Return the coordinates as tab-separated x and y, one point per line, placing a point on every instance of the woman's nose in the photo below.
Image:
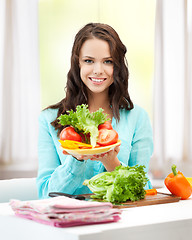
98	68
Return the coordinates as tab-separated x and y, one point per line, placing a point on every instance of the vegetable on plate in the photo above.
74	144
105	125
120	185
86	127
69	133
177	184
107	137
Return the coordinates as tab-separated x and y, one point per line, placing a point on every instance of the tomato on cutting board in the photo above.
105	125
69	133
107	137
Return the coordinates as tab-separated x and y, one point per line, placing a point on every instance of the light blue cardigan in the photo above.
63	173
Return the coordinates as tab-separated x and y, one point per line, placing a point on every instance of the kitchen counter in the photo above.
162	221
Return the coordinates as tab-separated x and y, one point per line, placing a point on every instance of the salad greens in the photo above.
120	185
84	121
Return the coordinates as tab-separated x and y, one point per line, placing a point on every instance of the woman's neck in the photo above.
96	101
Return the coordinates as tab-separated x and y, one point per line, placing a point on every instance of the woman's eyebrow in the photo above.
88	57
107	58
94	58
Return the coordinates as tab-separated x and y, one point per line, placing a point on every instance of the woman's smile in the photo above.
97	81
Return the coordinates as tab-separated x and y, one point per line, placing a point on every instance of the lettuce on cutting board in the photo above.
120	185
85	122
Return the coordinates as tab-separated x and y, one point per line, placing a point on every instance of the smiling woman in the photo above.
96	91
60	20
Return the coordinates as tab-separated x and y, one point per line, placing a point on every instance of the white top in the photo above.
162	221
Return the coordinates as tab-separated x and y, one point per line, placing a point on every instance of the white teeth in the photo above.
97	80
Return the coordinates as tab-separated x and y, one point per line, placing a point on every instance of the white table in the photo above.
155	222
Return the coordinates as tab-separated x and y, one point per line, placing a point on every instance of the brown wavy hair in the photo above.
76	93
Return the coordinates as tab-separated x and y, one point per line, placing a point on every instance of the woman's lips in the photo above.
97	80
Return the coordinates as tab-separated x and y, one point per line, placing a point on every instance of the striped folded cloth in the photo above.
66	212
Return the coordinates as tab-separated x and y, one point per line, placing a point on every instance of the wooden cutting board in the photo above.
159	198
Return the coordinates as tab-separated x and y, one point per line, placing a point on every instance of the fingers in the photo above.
117	149
81	157
98	157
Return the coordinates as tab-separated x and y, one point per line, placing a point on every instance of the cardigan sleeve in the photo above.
52	174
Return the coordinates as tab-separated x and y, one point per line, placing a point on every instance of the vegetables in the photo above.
84	122
107	137
74	144
120	185
69	133
105	125
151	191
177	184
189	179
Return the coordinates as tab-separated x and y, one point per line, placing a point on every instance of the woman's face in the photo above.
96	65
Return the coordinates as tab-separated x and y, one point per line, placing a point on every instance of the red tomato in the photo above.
69	133
107	137
105	125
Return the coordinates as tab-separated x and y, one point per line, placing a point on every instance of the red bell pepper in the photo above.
177	184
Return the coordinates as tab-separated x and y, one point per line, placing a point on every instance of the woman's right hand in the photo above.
109	159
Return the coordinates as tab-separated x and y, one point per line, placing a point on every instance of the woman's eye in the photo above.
88	61
108	62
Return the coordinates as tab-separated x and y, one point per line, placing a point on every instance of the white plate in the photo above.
91	151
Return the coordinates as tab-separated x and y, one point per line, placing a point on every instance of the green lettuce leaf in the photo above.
120	185
84	121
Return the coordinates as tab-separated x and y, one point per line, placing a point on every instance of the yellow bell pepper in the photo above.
189	179
70	144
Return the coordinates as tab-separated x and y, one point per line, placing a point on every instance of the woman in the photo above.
98	77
